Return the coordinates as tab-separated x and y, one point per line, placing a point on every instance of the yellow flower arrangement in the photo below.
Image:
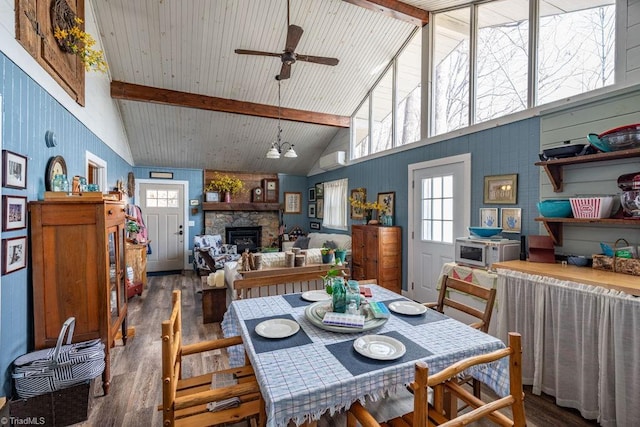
225	183
74	40
358	203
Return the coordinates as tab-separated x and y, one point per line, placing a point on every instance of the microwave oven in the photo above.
483	253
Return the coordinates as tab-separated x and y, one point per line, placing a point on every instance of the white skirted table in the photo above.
581	343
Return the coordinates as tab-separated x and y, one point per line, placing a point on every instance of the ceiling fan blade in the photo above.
285	72
256	52
317	59
293	37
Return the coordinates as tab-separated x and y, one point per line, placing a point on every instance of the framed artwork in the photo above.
319	208
359	194
285	237
314	225
312	210
14	213
292	203
312	194
212	196
14	168
511	220
160	175
14	254
320	191
501	189
388	202
489	217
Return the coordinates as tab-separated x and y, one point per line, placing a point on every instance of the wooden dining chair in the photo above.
425	414
483	295
193	401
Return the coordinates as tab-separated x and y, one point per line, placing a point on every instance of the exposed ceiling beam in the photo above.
395	9
134	92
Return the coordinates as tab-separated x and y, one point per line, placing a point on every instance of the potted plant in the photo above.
335	286
341	255
327	254
224	183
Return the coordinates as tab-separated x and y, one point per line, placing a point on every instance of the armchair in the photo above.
210	254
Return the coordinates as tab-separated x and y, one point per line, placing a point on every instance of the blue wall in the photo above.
507	149
29	111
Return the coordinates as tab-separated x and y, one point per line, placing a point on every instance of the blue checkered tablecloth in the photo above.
303	382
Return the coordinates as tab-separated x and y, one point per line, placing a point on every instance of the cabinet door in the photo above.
371	253
117	292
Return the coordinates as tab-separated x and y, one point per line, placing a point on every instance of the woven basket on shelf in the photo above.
617	264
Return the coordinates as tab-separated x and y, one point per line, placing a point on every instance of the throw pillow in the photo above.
330	244
301	242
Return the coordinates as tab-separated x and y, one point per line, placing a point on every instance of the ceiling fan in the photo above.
289	56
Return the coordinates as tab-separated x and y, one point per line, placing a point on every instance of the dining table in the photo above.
317	370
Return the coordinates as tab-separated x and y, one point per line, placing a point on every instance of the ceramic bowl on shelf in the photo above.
579	260
485	231
555	208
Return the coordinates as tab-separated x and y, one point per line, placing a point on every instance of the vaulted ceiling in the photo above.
163	53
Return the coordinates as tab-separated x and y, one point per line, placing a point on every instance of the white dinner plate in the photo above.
379	347
410	308
318	295
277	328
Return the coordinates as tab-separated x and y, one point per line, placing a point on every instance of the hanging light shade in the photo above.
277	147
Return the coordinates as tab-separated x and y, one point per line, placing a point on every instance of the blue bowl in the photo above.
555	208
485	231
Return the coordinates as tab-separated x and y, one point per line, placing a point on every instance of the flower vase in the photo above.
339	295
227	196
367	216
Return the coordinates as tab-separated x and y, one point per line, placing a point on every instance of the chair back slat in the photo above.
477	291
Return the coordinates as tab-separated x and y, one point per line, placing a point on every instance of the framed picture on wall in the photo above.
14	170
292	203
312	194
388	203
320	190
314	225
501	189
489	217
511	220
14	213
14	254
312	210
319	208
358	198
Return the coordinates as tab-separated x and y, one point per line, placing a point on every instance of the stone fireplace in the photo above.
217	222
244	238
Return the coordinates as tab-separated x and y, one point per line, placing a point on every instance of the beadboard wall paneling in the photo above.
588	179
511	148
29	111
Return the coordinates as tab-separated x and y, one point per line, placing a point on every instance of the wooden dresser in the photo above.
376	253
77	250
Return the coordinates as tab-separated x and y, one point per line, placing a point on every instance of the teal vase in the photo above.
339	295
340	255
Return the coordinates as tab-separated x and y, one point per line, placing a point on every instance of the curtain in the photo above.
581	343
335	204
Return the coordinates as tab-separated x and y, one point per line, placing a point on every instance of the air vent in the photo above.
332	161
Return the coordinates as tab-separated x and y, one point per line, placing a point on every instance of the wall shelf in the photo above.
554	170
222	206
554	225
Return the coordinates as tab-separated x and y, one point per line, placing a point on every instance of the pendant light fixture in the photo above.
277	147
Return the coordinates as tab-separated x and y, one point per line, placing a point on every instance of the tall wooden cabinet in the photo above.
77	250
376	253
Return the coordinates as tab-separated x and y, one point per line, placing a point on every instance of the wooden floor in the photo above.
136	368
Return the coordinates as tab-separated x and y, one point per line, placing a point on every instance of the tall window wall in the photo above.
488	73
489	60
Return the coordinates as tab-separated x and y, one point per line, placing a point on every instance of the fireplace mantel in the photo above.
222	206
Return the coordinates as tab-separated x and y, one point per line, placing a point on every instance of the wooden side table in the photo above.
214	302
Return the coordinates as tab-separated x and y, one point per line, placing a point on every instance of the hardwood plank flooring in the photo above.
136	368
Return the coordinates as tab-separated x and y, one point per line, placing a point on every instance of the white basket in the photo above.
592	207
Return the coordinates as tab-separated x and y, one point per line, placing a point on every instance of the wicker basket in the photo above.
59	408
616	264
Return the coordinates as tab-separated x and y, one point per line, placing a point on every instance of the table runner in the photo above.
301	383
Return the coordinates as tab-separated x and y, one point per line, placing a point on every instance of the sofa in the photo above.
310	243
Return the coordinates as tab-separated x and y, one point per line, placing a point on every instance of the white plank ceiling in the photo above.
188	46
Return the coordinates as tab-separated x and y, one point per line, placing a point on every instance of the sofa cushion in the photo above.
301	242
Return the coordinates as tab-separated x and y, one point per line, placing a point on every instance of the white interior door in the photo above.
439	208
162	207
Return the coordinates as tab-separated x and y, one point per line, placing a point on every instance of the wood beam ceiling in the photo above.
395	9
134	92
